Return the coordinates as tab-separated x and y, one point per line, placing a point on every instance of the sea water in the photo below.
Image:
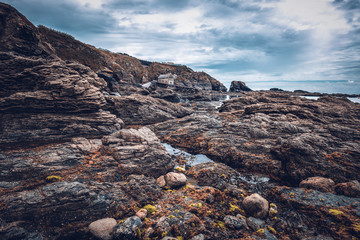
321	86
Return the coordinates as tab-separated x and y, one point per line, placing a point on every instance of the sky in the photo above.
255	41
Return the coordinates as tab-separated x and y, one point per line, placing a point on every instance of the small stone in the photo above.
234	222
168	238
198	237
142	213
256	205
161	181
255	223
175	179
127	229
318	183
103	228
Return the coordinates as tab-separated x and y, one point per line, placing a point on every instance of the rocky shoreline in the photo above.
82	152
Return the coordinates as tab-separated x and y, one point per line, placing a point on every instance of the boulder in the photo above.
255	223
138	151
103	228
175	179
127	229
234	222
238	86
256	205
318	183
161	181
350	189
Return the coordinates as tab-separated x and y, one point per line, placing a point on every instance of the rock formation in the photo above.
238	86
76	161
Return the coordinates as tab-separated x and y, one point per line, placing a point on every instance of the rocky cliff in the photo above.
121	68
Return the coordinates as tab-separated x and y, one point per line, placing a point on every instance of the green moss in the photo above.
336	212
53	178
150	209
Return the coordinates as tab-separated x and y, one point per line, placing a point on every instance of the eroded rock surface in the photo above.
288	138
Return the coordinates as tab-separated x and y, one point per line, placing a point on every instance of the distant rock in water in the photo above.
276	89
239	86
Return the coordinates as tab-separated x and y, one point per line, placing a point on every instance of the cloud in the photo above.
231	39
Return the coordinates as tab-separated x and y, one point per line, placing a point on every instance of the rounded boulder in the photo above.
103	228
318	183
256	205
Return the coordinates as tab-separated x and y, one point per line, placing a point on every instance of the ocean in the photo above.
321	86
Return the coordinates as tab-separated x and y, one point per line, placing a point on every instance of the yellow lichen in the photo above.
220	224
53	178
356	227
271	229
272	212
272	205
179	238
171	216
292	194
261	231
150	208
164	234
180	169
335	212
234	208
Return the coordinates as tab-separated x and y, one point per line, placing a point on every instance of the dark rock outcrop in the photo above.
238	86
143	110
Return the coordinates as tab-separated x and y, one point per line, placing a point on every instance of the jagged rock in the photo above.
141	188
174	180
350	189
135	151
103	228
256	205
238	86
18	230
127	229
143	110
141	213
46	100
234	222
318	183
255	223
